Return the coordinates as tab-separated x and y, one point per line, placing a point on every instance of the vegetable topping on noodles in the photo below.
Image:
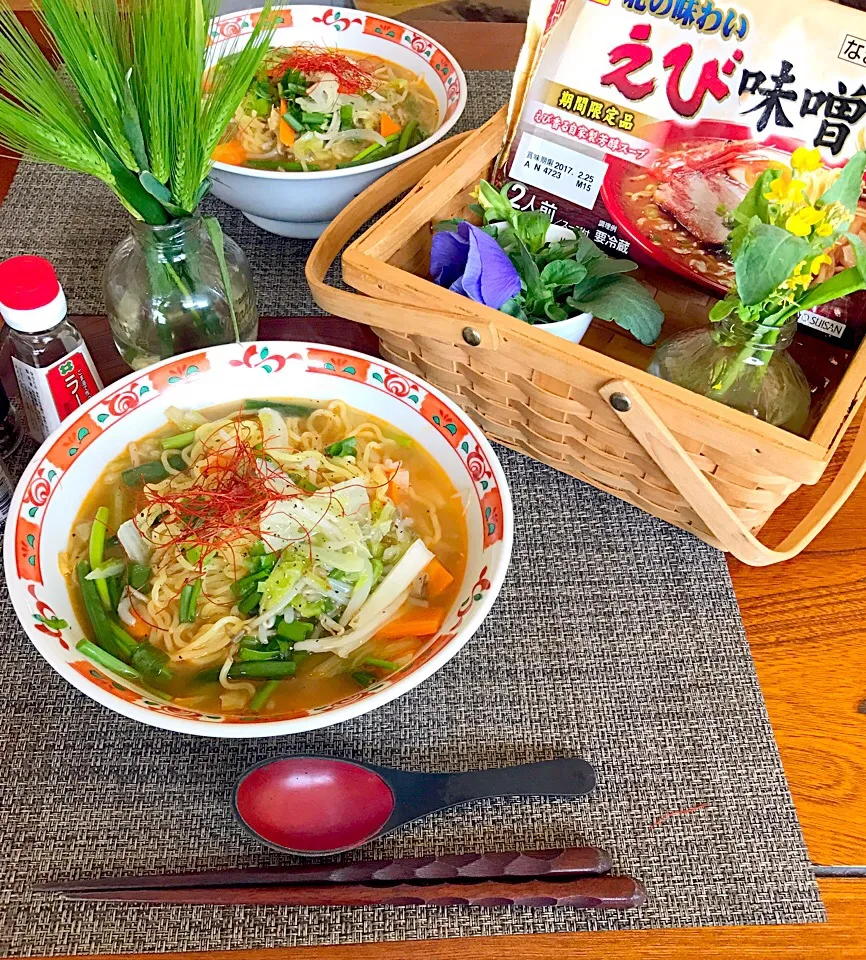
313	108
257	540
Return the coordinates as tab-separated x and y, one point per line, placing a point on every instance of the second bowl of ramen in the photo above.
258	539
342	97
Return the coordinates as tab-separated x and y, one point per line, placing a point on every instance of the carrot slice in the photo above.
387	126
287	134
230	152
438	578
140	629
414	622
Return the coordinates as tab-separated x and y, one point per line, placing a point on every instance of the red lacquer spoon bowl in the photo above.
316	806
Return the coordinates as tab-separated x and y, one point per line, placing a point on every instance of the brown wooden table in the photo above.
806	624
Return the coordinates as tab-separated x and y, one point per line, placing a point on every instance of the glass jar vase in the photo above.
164	292
746	366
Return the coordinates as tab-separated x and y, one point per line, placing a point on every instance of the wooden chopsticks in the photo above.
570	876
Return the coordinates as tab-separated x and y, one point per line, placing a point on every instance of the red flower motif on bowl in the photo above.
255	357
477	465
123	402
39	490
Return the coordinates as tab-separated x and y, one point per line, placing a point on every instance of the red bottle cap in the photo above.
31	299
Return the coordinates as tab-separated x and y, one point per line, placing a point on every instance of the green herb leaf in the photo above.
496	205
532	229
766	259
563	273
754	203
514	307
343	448
840	285
847	189
723	308
628	304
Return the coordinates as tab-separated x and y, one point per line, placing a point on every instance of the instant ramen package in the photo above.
645	122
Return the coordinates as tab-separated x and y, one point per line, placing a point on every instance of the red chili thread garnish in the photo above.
225	502
311	60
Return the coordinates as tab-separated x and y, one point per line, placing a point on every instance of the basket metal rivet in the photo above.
620	402
471	336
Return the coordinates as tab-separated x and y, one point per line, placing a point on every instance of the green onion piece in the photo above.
347	116
102	632
210	675
295	630
263	694
314	119
152	662
242	587
406	136
124	641
363	679
250	602
258	549
371	156
293	122
248	654
366	152
193	555
138	575
383	664
188	601
281	166
151	472
104	659
96	551
179	441
287	409
261	107
115	590
266	669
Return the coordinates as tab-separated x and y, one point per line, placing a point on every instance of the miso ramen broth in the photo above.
265	560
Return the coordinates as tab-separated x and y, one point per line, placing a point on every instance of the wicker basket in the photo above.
589	410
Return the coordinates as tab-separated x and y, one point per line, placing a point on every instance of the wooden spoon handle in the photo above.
603	893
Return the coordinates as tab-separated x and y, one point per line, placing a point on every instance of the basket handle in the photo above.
650	432
399	317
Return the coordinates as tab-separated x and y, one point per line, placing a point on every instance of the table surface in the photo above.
804	621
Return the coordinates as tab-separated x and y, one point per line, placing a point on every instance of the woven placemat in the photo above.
616	638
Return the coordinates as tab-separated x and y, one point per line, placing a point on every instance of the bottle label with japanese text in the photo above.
50	394
671	109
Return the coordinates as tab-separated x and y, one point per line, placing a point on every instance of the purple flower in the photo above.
472	263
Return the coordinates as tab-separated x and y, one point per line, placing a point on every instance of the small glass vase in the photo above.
746	366
165	294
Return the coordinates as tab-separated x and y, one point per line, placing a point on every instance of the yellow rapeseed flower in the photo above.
818	262
823	230
804	159
785	190
800	222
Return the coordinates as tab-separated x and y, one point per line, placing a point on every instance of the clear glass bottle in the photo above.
52	364
165	294
747	367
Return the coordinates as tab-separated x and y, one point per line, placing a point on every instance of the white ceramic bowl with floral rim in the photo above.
56	482
303	204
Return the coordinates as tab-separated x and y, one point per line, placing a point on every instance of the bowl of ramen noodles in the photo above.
258	539
342	97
